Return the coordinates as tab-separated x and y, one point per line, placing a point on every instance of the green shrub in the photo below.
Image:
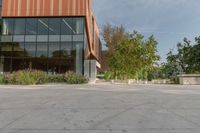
68	78
56	78
73	78
40	77
1	79
25	77
33	77
107	75
175	80
8	79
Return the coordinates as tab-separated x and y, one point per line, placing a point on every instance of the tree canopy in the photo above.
129	55
185	61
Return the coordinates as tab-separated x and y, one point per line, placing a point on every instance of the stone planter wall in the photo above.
130	81
189	79
162	81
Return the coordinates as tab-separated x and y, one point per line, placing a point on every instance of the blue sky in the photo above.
168	20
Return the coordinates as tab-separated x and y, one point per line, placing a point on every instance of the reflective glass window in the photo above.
8	26
78	38
30	49
67	26
55	45
6	38
78	47
19	26
65	49
54	38
42	50
43	26
54	26
42	38
29	63
18	50
66	64
53	66
54	50
31	26
17	64
30	38
7	64
18	38
66	38
78	25
6	49
41	64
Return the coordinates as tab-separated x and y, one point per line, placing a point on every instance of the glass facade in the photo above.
54	45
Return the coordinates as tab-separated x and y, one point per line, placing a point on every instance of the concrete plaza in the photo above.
100	108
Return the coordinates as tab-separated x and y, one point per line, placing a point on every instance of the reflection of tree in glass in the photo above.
43	56
6	49
1	28
56	54
18	50
74	54
64	53
61	53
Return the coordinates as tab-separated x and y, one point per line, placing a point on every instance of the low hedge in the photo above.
56	78
26	77
73	78
68	77
1	79
34	77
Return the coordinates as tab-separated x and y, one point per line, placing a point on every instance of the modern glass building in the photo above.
55	36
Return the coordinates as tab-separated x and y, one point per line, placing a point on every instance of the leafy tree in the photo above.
133	57
187	59
113	35
150	55
183	55
194	59
156	73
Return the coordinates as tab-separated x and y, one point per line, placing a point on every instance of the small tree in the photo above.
113	35
187	60
133	56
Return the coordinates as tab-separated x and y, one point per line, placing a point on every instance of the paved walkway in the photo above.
101	108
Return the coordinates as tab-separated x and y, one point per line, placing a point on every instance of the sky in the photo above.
168	20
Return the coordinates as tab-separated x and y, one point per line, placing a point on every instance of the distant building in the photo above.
50	35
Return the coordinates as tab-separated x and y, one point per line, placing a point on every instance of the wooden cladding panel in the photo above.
32	8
